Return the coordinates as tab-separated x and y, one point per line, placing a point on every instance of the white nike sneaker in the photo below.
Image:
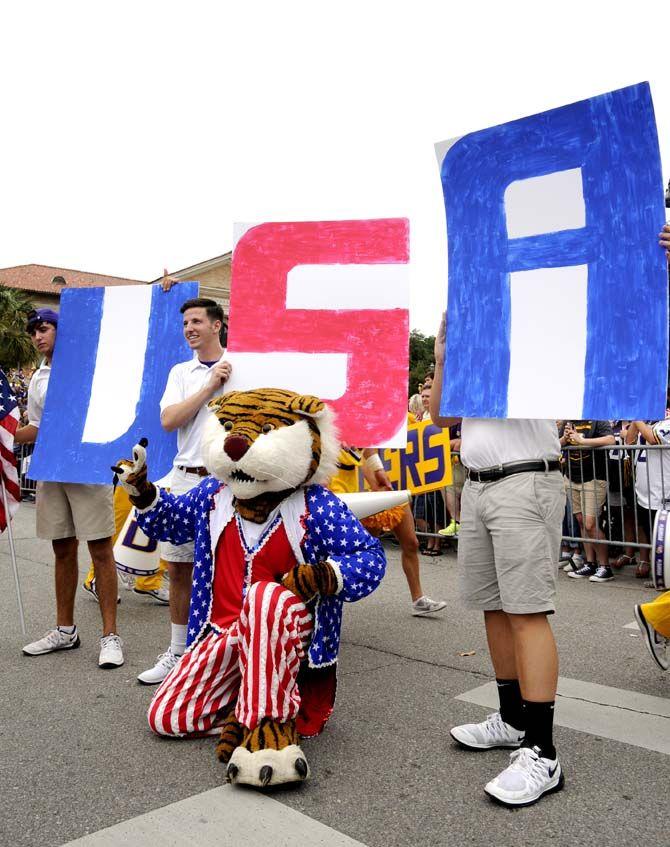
111	651
528	777
487	735
425	606
54	640
164	664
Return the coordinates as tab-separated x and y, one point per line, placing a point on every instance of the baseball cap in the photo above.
38	316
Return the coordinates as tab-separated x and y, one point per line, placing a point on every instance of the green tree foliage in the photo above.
16	349
421	358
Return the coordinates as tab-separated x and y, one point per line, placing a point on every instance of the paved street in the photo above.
78	763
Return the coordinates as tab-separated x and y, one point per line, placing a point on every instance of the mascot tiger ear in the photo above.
307	404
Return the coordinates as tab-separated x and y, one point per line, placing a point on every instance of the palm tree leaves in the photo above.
16	349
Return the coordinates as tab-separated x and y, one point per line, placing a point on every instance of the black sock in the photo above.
539	727
511	704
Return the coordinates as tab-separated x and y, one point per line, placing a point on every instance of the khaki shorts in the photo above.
180	483
509	542
457	478
74	510
587	498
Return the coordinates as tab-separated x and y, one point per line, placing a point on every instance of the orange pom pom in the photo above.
385	521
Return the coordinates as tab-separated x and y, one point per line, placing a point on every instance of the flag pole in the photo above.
12	554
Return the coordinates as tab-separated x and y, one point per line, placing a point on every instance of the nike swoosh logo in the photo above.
551	773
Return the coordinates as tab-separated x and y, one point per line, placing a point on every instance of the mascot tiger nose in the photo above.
277	556
236	446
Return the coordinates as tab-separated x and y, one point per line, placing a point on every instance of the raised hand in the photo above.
441	341
132	475
218	374
167	281
664	240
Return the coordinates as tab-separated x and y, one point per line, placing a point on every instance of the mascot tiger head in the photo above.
269	440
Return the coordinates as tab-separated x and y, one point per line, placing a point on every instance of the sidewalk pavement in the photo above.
78	756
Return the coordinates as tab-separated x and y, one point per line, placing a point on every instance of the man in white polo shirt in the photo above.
508	551
69	512
190	386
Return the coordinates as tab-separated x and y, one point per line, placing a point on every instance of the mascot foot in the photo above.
231	736
269	755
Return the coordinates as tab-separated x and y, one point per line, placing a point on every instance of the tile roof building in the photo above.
44	283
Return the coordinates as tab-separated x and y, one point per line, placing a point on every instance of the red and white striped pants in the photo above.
255	662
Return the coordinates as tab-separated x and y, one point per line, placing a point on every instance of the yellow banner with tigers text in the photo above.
423	466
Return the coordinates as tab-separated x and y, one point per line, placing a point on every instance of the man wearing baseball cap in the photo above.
67	513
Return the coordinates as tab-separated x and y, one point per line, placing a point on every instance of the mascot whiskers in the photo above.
276	555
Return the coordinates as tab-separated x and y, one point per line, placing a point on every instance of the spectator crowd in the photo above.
616	475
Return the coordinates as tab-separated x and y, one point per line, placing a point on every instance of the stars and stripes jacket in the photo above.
319	527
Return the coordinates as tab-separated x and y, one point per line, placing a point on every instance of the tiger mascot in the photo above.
276	554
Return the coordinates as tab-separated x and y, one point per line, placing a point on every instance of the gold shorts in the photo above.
74	510
587	498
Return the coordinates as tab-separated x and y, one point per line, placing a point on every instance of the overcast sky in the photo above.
135	133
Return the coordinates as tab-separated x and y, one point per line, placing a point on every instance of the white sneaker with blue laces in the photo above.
528	777
602	574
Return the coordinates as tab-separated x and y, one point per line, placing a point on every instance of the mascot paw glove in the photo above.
132	475
306	581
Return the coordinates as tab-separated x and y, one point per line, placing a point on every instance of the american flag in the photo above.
9	421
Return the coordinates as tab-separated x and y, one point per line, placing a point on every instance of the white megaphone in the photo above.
366	503
660	551
134	552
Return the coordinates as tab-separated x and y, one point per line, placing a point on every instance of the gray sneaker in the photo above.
425	606
487	735
54	640
161	595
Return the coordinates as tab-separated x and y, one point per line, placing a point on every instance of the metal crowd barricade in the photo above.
431	514
626	473
619	523
23	453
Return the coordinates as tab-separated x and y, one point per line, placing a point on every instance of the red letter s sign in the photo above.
326	303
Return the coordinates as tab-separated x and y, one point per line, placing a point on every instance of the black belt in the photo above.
199	471
492	474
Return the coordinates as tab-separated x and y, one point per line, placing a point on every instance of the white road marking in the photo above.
626	716
224	816
632	625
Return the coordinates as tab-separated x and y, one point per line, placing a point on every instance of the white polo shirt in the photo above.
185	380
487	442
652	471
37	392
